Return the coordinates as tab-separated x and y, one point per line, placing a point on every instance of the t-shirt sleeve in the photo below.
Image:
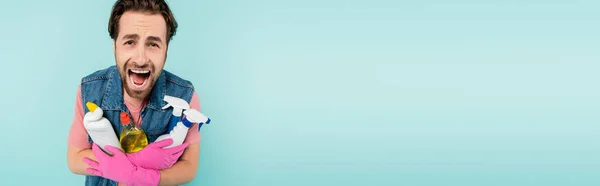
193	135
78	136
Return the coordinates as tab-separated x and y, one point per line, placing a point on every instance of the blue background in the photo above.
333	92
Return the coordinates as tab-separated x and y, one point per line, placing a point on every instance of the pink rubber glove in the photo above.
155	157
118	168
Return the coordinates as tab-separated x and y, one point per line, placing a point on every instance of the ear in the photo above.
114	45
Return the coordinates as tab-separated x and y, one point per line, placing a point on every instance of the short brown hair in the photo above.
145	6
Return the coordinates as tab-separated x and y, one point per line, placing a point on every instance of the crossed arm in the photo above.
182	172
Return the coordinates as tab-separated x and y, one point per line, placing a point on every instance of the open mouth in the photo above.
139	78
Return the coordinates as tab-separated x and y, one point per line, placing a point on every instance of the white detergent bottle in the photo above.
178	105
180	131
99	128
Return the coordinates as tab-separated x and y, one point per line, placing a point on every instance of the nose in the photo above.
140	57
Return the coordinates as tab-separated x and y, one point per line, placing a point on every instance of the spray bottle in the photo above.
178	105
99	128
207	121
180	130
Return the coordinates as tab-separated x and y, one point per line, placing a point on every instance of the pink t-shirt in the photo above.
78	136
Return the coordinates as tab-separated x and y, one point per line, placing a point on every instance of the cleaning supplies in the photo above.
206	122
99	128
178	105
132	138
180	131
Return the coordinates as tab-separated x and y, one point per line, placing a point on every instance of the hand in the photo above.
155	157
118	168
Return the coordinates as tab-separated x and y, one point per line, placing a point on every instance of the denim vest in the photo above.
104	88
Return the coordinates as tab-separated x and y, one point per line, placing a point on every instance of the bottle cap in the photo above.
124	118
91	106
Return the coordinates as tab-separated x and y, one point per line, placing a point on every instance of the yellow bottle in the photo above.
132	139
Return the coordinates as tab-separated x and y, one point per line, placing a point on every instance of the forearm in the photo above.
184	170
181	173
75	160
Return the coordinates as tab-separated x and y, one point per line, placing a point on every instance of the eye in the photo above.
153	45
130	42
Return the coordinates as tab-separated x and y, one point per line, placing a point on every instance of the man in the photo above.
141	31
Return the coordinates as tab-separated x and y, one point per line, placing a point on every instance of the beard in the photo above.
126	73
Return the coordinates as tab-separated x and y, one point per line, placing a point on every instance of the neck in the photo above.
131	101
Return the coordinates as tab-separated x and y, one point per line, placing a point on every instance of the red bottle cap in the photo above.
124	118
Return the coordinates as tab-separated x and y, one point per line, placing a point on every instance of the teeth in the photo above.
140	71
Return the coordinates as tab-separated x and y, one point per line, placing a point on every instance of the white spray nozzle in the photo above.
178	104
194	116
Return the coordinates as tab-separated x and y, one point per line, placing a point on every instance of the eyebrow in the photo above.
131	36
154	38
136	37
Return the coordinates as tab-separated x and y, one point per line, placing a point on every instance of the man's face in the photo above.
140	51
